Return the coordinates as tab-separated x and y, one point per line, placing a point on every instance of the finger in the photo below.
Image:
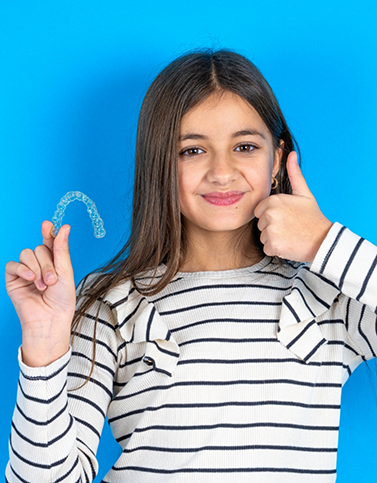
263	237
28	259
44	257
261	207
61	256
298	183
14	270
48	238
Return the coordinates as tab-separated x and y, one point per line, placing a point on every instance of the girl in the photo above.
214	358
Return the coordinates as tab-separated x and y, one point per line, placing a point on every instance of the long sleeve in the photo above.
349	262
57	424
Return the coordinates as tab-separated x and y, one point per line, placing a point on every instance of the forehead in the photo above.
226	111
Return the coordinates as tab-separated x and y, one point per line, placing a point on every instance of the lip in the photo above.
223	199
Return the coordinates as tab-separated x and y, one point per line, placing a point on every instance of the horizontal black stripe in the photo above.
206	427
43	445
39	400
219	286
61	435
241	361
321	277
225	470
92	380
41	423
165	351
33	463
229	320
88	425
330	322
72	395
44	378
100	321
130	362
225	404
161	449
98	341
277	274
219	304
121	397
17	475
227	340
193	384
343	344
96	363
121	301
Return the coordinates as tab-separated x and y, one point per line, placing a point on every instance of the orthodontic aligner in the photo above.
97	221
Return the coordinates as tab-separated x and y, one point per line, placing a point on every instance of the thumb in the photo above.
62	259
298	183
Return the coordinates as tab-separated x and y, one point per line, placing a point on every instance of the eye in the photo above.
246	148
194	151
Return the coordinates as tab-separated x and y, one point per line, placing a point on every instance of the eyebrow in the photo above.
244	132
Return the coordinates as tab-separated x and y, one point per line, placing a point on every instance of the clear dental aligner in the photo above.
97	221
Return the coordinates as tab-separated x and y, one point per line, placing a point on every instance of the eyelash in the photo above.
184	153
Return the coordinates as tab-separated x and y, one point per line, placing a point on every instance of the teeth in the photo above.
97	221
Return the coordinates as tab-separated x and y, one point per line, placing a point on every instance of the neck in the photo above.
215	251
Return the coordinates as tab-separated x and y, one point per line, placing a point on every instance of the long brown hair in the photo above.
156	235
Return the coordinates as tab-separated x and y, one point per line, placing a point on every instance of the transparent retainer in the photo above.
97	222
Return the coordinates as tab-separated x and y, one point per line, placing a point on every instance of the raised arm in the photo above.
55	428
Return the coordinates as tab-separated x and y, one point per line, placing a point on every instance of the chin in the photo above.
227	227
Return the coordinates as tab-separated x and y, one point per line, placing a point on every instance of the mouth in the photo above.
223	199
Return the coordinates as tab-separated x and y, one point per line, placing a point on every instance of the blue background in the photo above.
72	78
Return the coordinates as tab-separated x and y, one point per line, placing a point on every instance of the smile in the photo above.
223	199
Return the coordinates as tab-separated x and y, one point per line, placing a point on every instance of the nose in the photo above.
222	170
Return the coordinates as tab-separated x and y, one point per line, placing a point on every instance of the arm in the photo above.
55	432
56	429
293	227
350	262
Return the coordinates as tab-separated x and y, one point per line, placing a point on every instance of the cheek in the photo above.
184	186
259	178
188	182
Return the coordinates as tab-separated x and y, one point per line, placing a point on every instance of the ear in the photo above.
277	158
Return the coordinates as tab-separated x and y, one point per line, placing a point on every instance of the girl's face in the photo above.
226	163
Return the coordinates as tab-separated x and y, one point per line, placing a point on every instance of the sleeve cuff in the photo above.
349	262
45	372
327	248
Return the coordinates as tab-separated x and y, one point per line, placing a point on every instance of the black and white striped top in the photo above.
223	376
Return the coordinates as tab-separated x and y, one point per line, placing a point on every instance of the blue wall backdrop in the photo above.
72	78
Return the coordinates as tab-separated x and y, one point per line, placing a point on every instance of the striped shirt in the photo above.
223	376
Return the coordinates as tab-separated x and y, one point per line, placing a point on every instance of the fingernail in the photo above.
42	285
49	277
67	233
29	274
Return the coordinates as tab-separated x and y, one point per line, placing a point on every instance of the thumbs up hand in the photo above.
292	226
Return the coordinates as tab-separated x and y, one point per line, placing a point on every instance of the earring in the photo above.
275	183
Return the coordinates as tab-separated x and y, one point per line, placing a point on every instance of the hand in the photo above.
292	226
42	289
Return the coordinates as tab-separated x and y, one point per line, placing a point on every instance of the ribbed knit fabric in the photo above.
230	376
